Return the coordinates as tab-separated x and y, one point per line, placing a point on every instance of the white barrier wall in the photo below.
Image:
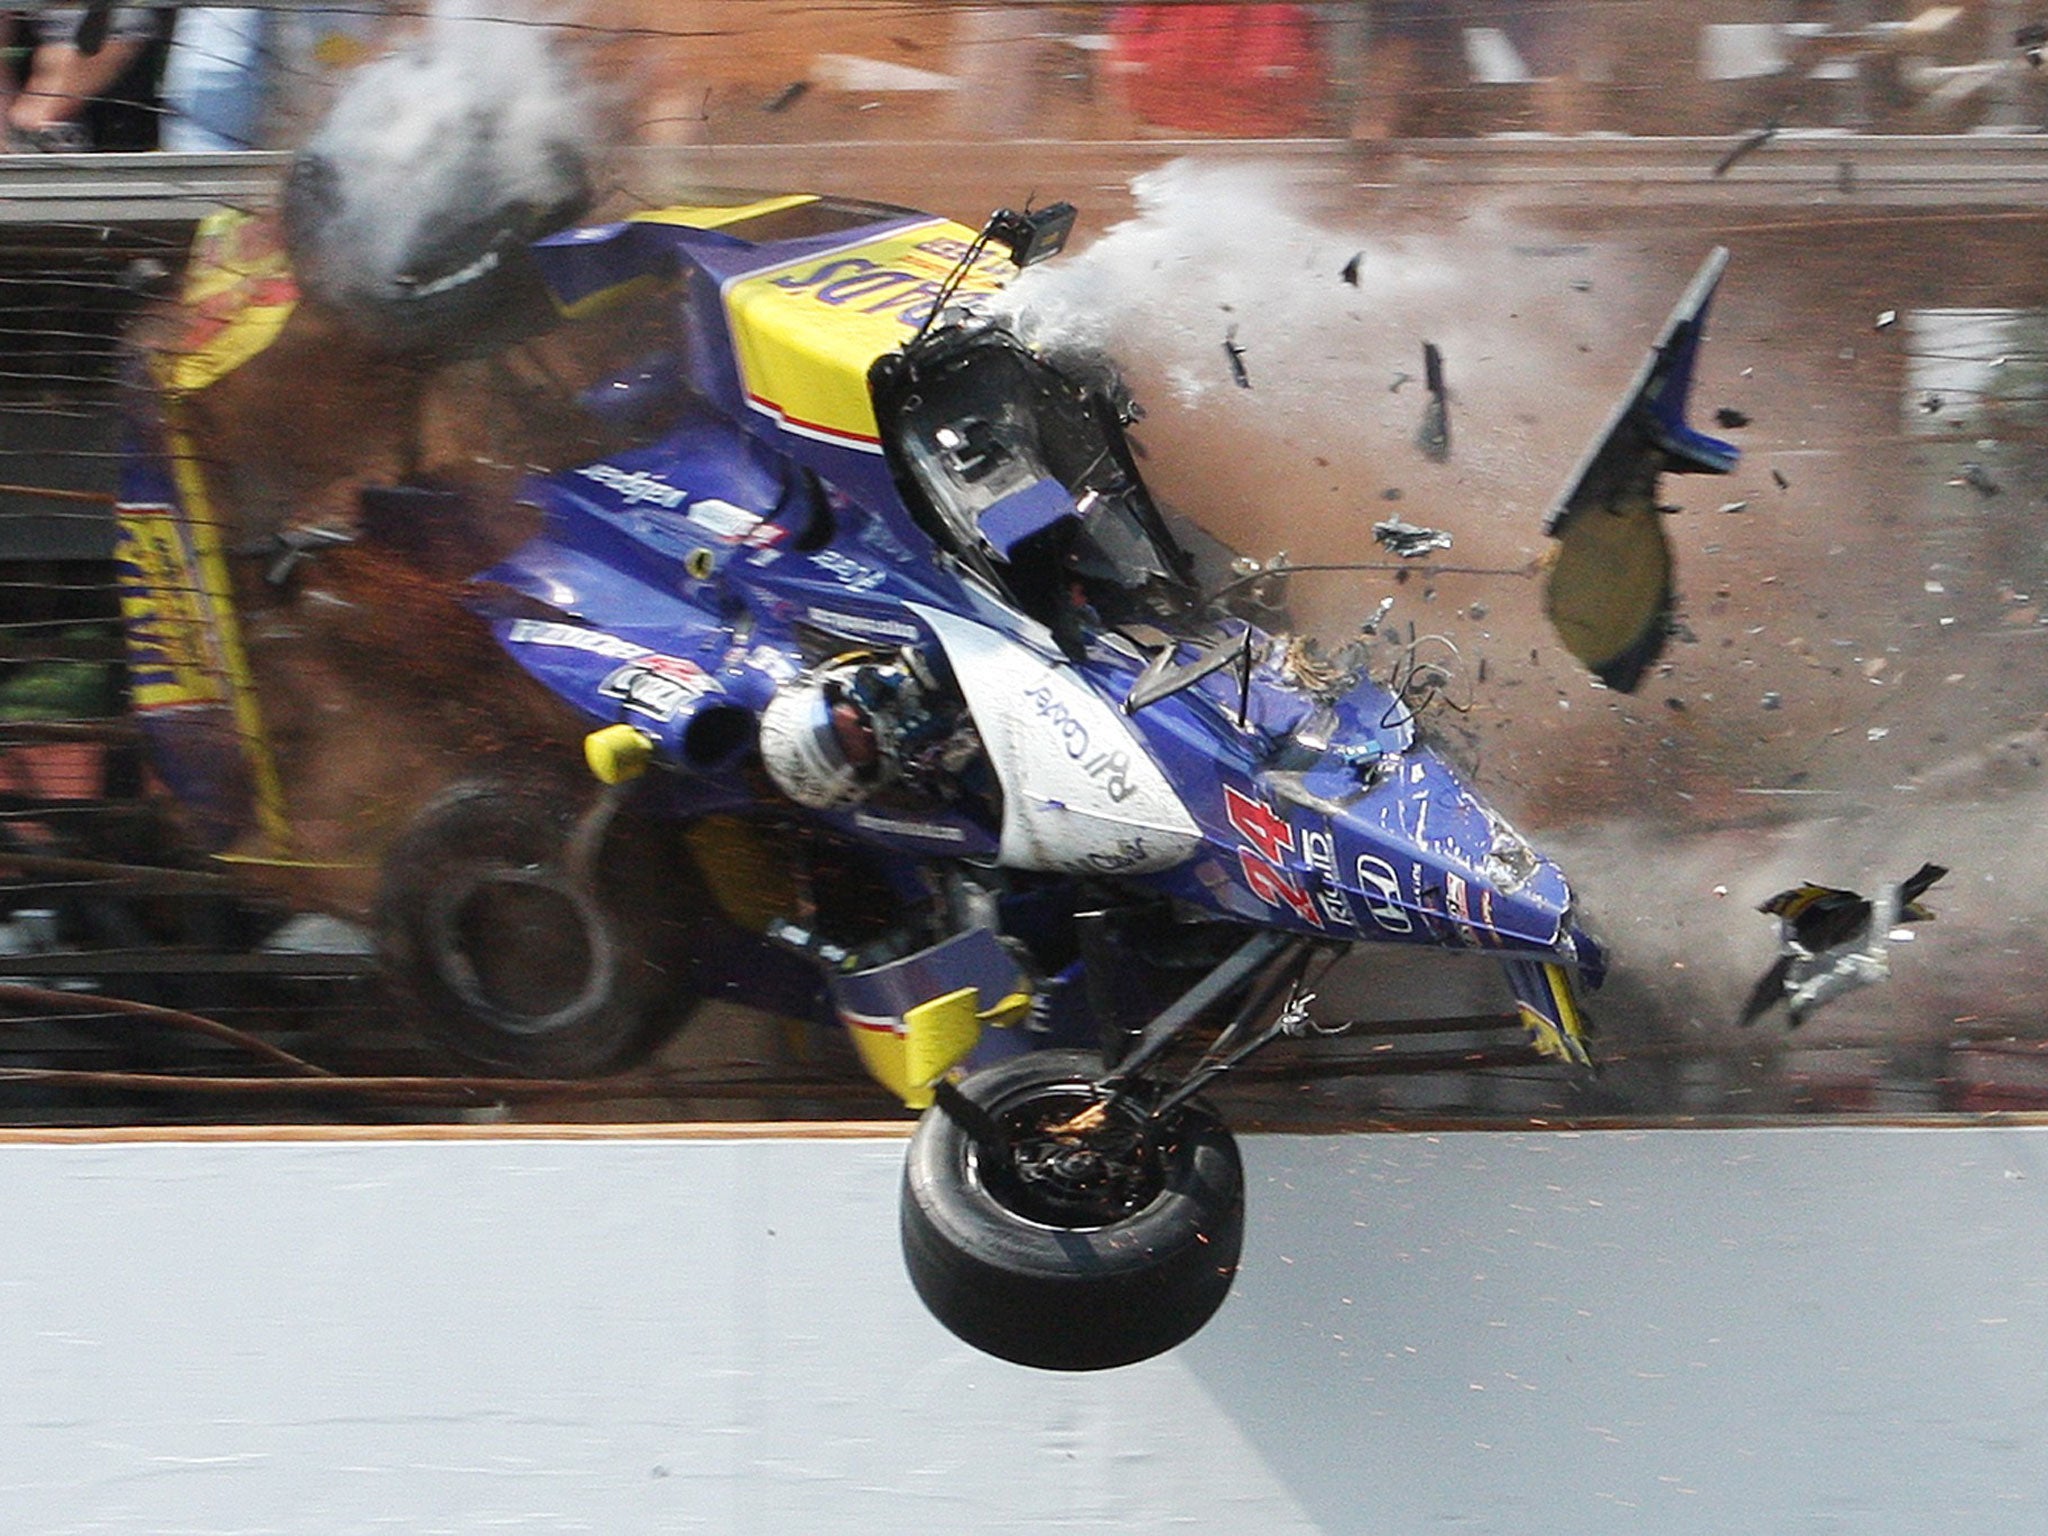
1826	1329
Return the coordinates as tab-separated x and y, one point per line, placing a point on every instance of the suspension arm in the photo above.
1220	1058
1233	972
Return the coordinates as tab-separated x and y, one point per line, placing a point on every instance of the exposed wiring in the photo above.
1416	684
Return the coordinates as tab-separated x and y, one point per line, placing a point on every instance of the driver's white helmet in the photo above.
818	744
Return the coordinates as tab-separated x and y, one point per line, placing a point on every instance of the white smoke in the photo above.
400	115
1211	246
1231	252
1220	245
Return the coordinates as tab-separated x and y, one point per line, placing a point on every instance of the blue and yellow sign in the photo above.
174	657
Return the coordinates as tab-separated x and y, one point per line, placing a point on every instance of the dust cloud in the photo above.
1679	907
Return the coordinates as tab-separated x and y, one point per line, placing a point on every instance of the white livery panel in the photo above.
1080	793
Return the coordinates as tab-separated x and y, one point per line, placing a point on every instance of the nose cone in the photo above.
1428	859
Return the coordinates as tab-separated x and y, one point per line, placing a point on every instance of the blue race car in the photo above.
903	698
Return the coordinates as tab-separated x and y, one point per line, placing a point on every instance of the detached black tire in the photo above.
509	960
1071	1253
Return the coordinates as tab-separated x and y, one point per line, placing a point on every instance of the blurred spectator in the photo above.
1452	68
1237	69
215	80
81	79
238	75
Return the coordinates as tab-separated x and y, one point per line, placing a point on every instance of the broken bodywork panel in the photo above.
1833	941
1609	590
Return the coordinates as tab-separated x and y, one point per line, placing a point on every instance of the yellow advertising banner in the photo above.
239	291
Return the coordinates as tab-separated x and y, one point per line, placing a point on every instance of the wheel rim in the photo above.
523	947
1054	1176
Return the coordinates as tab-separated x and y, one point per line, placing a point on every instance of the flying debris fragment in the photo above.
1433	437
1235	353
1350	272
1978	479
1609	589
289	548
1748	144
1778	479
1728	416
1409	540
1833	942
787	97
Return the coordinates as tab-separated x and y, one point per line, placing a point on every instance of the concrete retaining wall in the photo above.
1813	1329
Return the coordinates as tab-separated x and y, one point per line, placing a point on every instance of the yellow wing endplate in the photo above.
933	1038
915	1018
1550	1011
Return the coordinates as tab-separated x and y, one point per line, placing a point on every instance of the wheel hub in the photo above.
524	946
1056	1175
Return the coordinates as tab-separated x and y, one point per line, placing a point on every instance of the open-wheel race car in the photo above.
907	703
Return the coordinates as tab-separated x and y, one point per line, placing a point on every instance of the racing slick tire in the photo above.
1070	1252
511	961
